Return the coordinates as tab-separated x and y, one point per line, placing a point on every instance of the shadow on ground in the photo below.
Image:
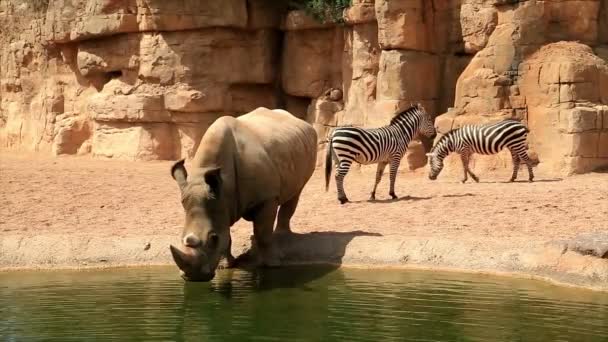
316	246
468	194
548	180
325	249
390	200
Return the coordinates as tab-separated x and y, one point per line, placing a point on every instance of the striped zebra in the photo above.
382	145
483	139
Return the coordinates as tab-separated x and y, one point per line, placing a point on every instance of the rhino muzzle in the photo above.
190	264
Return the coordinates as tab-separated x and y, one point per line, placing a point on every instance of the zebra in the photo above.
382	145
483	139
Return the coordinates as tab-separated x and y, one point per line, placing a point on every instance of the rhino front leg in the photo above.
230	260
263	224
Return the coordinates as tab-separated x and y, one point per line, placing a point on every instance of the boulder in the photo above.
593	244
416	155
195	101
579	119
70	134
407	75
360	69
401	25
477	24
360	13
110	107
311	61
123	140
323	112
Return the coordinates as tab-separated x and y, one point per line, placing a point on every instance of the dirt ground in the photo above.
62	211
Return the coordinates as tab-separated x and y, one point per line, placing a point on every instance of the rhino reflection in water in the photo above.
247	167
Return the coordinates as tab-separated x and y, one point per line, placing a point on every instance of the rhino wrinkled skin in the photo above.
248	167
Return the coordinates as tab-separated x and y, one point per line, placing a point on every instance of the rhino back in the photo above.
265	154
289	149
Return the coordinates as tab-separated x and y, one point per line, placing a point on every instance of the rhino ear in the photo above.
179	173
213	178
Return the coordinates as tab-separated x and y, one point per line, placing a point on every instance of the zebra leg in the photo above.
341	171
465	156
379	173
516	161
395	161
530	172
475	178
523	156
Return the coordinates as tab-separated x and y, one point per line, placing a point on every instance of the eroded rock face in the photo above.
522	71
144	79
568	90
132	79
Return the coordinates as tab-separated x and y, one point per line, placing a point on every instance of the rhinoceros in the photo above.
249	167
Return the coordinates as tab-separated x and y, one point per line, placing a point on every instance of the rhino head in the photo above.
206	234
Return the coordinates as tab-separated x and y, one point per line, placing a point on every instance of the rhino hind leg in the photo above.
286	211
263	224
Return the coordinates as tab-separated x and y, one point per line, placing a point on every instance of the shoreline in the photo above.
549	263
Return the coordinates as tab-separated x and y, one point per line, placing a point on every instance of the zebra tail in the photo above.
328	159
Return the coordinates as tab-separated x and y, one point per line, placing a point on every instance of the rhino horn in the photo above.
182	259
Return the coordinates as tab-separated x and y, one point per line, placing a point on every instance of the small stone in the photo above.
335	95
146	246
503	81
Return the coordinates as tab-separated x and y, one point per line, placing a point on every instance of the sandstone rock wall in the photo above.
143	79
132	79
529	67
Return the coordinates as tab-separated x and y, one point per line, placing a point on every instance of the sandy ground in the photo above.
76	211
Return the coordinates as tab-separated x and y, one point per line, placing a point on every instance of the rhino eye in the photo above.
214	240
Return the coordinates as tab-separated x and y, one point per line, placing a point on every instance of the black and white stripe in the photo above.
384	145
483	139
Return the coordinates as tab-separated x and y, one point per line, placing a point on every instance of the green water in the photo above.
294	304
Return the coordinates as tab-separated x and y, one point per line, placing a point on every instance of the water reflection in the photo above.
295	304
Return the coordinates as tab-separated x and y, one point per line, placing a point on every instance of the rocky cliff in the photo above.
142	79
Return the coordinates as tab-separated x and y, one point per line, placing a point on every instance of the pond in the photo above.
319	303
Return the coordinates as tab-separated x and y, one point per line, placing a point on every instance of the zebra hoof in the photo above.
343	200
393	196
463	181
511	180
476	180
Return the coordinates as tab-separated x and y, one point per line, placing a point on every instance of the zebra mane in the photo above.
408	111
443	139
